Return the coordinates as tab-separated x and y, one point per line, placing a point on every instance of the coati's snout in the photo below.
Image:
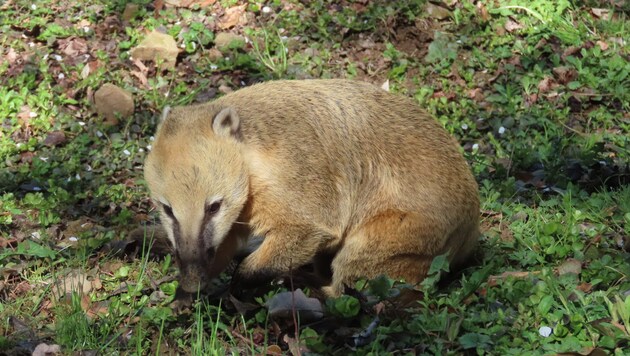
194	267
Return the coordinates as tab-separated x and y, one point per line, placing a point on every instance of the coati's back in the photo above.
349	148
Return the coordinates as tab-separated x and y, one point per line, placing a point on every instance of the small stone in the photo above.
437	12
111	101
155	47
130	12
214	55
545	331
228	40
54	138
284	305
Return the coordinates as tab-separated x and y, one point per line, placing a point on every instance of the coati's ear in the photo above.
165	111
227	124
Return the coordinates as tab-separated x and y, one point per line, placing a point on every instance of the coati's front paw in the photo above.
250	274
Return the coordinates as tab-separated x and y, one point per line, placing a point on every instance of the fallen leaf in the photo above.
482	12
54	138
546	84
512	25
476	94
189	3
295	346
74	281
571	265
436	12
274	350
73	46
493	280
11	56
233	16
46	350
585	287
603	14
603	45
565	75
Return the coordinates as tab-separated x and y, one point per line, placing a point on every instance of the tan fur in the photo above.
315	166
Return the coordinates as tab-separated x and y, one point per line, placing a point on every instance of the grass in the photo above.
536	93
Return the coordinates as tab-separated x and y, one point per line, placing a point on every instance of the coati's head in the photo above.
198	179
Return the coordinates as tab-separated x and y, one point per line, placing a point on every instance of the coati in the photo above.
334	167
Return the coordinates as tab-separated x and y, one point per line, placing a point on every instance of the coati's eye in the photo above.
213	208
168	211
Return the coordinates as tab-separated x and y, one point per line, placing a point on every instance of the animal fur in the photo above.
333	168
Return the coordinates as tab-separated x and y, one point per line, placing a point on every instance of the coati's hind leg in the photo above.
398	244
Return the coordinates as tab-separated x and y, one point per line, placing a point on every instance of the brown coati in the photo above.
337	167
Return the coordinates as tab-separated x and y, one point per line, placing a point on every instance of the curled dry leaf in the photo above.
189	3
565	75
46	350
73	46
547	84
233	16
494	280
512	25
603	14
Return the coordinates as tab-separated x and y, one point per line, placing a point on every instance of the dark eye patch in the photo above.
213	208
168	211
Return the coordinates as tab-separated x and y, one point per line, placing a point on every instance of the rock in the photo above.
111	101
283	305
227	40
157	47
214	55
54	138
130	12
437	12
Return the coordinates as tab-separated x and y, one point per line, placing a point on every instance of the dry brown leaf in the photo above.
46	350
72	281
476	94
482	11
141	77
274	350
603	14
585	287
73	46
512	25
547	84
295	347
493	280
233	16
11	56
54	138
603	45
571	265
565	75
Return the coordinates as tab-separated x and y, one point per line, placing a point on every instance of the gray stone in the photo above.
112	102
